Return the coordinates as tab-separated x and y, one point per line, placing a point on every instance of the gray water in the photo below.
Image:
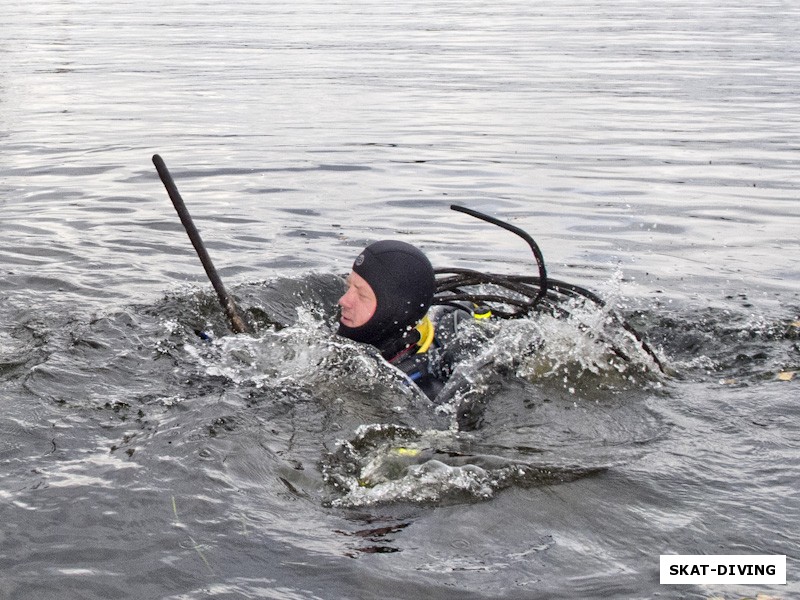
651	148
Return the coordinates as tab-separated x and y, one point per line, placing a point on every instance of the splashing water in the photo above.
275	357
586	345
386	463
581	351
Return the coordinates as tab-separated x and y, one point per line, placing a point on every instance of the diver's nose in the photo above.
345	301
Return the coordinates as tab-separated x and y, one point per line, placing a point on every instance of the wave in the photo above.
533	401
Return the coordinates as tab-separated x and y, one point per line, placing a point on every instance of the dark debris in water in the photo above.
375	539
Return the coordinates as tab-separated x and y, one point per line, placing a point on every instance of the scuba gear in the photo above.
404	283
406	286
422	362
515	296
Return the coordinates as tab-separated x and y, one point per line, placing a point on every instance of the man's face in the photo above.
358	303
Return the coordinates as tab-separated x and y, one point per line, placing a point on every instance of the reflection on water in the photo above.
649	148
658	138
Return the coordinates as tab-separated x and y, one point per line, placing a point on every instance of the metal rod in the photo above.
237	323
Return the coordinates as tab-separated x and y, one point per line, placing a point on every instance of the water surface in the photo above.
650	148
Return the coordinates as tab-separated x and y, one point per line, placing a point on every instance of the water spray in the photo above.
518	296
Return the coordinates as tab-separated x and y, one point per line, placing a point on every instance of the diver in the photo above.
393	286
389	291
395	302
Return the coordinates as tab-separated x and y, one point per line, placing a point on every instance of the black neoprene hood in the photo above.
404	283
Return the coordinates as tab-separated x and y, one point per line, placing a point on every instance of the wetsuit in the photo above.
423	356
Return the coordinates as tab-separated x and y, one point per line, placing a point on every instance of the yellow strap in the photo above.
485	314
426	334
